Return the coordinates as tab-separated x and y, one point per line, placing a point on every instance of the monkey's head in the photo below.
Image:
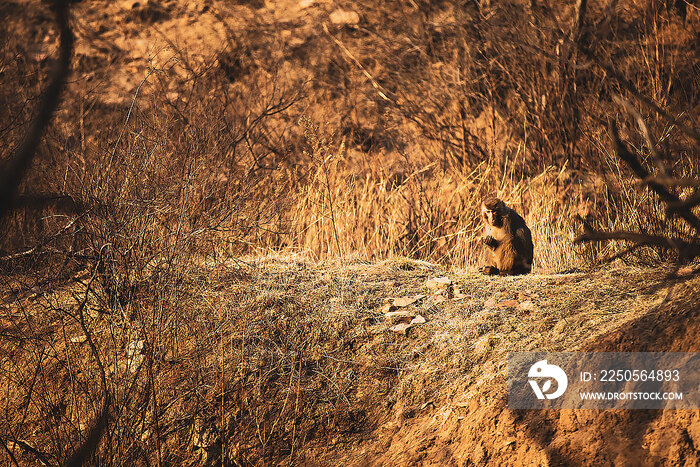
492	211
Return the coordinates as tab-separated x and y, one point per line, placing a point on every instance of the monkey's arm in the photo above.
490	242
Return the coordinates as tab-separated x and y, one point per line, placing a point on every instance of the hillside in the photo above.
312	373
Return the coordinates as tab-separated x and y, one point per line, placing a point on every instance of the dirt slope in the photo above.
281	360
475	425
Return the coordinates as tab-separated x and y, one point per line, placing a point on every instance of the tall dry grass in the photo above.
395	207
391	206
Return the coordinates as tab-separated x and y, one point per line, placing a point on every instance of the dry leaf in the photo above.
438	283
344	17
686	271
404	301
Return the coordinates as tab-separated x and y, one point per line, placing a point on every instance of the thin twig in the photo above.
93	437
683	182
685	205
364	71
645	132
625	83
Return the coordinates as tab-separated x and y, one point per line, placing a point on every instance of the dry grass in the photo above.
282	359
425	110
426	212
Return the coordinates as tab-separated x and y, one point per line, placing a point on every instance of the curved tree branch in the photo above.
643	174
14	170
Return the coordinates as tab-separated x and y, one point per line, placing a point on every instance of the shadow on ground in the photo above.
628	437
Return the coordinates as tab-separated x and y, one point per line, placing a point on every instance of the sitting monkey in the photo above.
509	248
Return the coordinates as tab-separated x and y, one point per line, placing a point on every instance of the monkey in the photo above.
508	240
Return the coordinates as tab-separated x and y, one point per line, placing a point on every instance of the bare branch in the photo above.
686	205
670	181
639	238
578	20
87	448
43	457
345	50
642	173
625	83
12	174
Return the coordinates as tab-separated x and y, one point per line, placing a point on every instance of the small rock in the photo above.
401	328
79	339
404	301
490	303
438	283
344	18
440	286
399	314
439	298
418	320
527	305
130	4
391	304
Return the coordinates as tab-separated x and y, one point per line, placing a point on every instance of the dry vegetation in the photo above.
229	190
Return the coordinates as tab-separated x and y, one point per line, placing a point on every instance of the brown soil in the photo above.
485	431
